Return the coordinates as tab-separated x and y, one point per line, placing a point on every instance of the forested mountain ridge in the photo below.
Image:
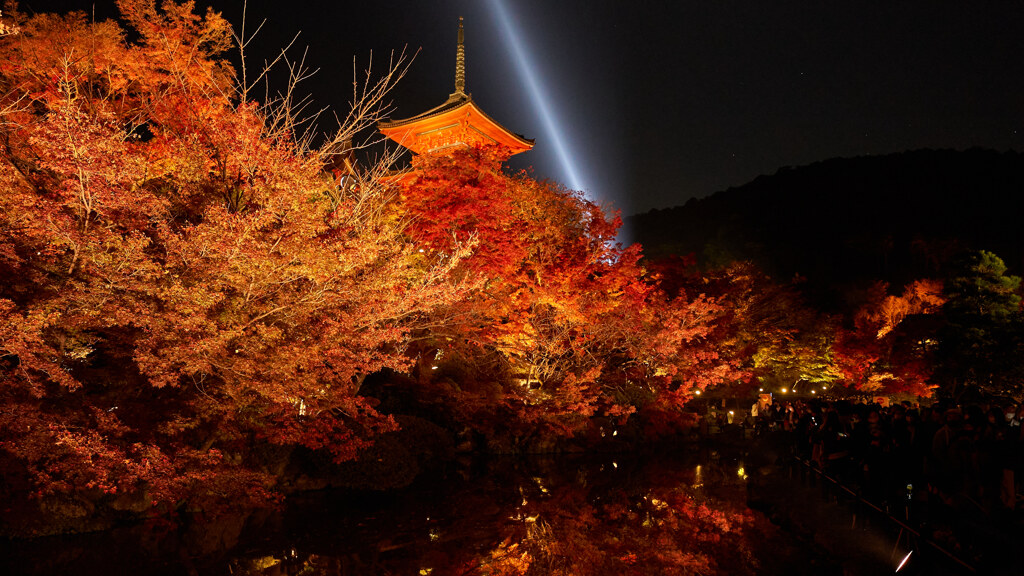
846	221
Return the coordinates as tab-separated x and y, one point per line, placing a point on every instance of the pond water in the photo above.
668	513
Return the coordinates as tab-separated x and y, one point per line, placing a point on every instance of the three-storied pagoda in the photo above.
459	122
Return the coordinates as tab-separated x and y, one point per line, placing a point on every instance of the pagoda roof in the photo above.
458	111
456	122
454	101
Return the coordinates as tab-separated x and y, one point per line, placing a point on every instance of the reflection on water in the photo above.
557	515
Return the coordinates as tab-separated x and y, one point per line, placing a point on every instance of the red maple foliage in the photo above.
186	282
578	327
887	350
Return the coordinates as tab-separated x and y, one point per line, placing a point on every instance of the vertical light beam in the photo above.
540	102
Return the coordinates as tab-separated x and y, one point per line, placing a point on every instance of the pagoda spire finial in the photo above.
460	65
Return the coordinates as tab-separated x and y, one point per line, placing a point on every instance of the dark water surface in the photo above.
671	513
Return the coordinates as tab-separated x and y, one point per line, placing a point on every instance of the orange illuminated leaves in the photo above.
884	352
920	297
572	315
185	283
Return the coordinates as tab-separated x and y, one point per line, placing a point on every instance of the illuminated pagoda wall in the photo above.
456	123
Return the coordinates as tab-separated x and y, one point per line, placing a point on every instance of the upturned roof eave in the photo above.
453	103
449	107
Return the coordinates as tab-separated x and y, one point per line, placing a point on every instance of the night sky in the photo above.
659	102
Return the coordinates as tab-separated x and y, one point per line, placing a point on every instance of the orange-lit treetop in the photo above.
458	123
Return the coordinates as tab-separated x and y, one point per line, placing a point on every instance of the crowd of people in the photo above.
966	455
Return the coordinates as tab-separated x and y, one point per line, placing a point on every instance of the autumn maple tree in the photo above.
888	349
184	278
568	322
777	338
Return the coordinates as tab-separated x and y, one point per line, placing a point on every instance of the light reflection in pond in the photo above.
620	515
560	516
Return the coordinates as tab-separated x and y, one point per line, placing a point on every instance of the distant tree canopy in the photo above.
983	341
886	350
849	231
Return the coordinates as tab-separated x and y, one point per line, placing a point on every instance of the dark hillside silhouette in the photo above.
843	222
